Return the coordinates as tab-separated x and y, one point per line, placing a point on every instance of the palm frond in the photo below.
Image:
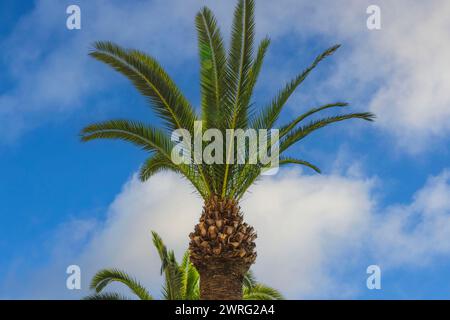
266	118
170	268
297	134
144	136
190	279
238	71
249	175
256	69
156	163
288	127
284	161
212	67
249	281
239	63
106	276
262	292
105	296
162	250
172	289
151	80
149	139
154	83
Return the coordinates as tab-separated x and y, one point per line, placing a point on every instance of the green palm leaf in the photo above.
151	80
105	296
190	279
149	139
297	134
269	115
106	276
240	63
256	69
249	280
284	161
142	135
155	164
169	266
237	79
262	292
285	129
212	63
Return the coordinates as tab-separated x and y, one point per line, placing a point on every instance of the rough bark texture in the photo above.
222	280
222	249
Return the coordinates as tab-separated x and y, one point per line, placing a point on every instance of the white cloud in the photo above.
416	233
125	239
315	234
302	223
48	67
414	101
399	72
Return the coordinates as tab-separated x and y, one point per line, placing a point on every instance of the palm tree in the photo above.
181	281
222	245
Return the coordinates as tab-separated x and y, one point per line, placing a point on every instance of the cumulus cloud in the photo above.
303	223
413	101
315	234
48	71
398	72
416	233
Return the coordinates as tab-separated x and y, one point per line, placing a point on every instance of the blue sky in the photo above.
64	202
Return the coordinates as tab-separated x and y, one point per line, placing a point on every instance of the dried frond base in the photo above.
221	236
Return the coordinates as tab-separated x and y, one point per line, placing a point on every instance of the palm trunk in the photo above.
222	280
222	250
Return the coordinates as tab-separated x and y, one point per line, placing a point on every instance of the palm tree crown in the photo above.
222	245
227	81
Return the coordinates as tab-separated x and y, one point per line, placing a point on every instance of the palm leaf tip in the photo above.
332	49
106	276
284	161
105	296
369	116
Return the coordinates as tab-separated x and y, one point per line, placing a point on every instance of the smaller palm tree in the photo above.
181	281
